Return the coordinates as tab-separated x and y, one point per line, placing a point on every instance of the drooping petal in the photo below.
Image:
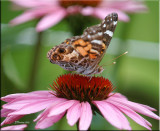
102	13
14	127
33	107
11	97
27	16
61	107
5	112
25	100
51	19
118	95
136	107
11	119
127	6
132	114
42	93
30	14
48	121
35	3
125	123
73	114
44	114
109	113
86	116
148	107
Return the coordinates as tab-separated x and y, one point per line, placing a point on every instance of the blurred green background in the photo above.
135	75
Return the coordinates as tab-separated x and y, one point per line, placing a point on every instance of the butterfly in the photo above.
84	53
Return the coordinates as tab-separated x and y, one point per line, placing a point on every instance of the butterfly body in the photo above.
84	53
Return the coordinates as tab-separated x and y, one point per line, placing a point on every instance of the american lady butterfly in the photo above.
84	53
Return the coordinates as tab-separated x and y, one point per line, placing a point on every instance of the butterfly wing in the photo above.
99	37
83	53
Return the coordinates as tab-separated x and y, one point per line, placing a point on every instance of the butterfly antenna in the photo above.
116	58
120	55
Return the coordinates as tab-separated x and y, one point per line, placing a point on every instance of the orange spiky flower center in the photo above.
67	3
82	88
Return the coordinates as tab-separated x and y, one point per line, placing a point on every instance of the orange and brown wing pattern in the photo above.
99	36
83	53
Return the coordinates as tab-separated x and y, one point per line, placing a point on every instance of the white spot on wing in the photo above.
108	32
73	54
104	25
100	33
95	51
97	42
115	22
89	36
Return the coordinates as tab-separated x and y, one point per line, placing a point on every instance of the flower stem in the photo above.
89	129
77	124
34	67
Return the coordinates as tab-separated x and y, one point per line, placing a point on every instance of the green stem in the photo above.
89	129
77	124
35	63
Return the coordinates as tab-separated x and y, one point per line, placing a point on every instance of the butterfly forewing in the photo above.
83	53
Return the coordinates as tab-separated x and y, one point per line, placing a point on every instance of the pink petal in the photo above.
128	6
148	107
136	107
11	119
26	3
30	14
48	121
33	107
132	114
27	16
51	19
109	113
25	100
74	9
35	3
117	95
11	97
41	93
14	127
125	123
86	116
44	114
5	112
73	114
102	13
41	115
61	107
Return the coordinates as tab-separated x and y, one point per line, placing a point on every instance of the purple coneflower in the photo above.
78	98
53	11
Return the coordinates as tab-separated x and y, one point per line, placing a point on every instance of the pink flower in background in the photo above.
53	11
77	97
14	127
